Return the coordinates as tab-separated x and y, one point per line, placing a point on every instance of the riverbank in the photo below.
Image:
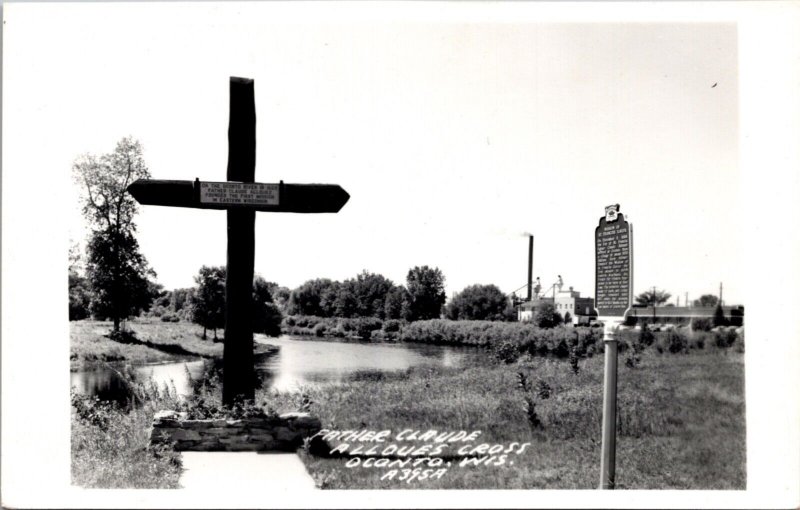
681	424
152	341
510	339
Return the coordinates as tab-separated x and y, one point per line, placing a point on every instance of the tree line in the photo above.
115	281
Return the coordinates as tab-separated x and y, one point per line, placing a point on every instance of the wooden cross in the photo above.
241	196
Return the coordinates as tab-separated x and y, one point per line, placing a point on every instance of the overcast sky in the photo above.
453	139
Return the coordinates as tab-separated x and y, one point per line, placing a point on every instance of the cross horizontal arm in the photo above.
296	198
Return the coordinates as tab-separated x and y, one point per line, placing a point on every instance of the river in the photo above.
301	361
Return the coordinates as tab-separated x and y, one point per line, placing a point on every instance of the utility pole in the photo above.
654	304
720	293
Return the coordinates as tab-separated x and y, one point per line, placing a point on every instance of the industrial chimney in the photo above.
530	268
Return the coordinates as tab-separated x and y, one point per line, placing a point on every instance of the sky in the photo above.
453	139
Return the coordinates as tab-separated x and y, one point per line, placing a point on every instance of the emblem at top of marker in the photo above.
613	264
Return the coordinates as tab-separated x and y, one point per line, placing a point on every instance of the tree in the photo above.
266	315
706	300
651	296
369	291
425	292
80	295
478	302
719	317
397	304
307	299
118	276
208	305
117	272
547	316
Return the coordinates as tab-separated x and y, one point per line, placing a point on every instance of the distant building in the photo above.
526	310
682	315
572	306
580	309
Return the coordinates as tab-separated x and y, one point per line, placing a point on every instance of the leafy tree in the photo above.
307	299
397	304
426	294
117	272
547	316
118	276
369	290
267	316
478	302
208	306
651	296
707	300
80	295
262	292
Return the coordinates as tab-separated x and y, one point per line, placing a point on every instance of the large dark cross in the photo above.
241	196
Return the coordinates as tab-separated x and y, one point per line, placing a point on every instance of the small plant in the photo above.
543	389
646	337
529	405
573	361
543	392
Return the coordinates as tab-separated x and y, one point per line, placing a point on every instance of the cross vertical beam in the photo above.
238	376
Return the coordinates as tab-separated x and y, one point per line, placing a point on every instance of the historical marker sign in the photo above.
239	193
613	264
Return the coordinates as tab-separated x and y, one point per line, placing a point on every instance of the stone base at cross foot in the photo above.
283	433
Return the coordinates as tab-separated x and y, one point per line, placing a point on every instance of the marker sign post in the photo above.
613	240
240	197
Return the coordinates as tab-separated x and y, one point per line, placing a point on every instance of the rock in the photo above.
184	434
266	433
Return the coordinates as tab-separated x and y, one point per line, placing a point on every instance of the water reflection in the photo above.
300	362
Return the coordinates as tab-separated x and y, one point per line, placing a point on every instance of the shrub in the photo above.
702	324
170	317
507	352
547	316
719	317
724	338
319	329
391	326
646	337
676	342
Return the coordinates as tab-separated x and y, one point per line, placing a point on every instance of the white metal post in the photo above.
609	446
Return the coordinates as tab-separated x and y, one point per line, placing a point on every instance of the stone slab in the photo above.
222	471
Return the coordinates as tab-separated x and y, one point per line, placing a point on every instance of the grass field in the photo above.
681	423
681	419
165	341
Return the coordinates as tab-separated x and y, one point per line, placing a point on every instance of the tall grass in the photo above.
680	422
111	444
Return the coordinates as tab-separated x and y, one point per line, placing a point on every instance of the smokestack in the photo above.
530	268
